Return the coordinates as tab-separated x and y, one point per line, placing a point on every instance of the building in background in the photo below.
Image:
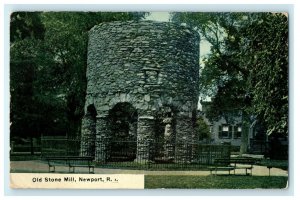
230	131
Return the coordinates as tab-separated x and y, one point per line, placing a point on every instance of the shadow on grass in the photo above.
282	164
215	182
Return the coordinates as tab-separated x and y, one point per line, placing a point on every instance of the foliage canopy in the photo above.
247	67
47	69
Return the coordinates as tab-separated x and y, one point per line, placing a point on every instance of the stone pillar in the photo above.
145	136
88	136
168	140
102	138
184	136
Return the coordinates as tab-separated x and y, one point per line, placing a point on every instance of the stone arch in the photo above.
166	107
122	120
121	98
135	100
165	132
91	110
165	114
164	100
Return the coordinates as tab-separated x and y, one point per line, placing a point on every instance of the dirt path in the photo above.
42	167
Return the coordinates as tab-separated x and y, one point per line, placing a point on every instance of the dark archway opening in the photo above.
123	127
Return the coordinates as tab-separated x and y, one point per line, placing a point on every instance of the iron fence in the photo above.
158	155
60	146
153	156
28	146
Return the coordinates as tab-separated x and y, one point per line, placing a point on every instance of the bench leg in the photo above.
52	167
250	171
234	168
269	170
91	171
72	169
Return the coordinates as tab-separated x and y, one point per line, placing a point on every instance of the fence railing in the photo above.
259	146
120	154
156	155
60	146
26	147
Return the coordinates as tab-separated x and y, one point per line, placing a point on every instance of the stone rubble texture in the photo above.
154	66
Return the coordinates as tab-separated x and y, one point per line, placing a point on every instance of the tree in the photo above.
26	32
202	129
25	25
66	40
268	56
246	65
48	63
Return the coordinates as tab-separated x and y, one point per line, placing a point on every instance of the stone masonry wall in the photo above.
147	64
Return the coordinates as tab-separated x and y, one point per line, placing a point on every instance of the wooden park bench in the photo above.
221	164
226	164
71	162
243	163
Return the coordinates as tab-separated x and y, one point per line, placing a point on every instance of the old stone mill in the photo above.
142	92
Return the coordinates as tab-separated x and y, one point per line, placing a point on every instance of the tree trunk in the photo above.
244	138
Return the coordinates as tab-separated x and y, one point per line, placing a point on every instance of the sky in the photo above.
165	17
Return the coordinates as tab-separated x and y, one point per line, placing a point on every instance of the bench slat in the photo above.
71	161
233	162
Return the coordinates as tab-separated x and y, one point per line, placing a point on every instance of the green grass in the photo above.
215	182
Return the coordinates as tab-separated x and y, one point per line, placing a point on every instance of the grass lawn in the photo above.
215	182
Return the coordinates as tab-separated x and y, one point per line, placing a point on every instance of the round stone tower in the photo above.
142	86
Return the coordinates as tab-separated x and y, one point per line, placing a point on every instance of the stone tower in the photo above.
142	86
